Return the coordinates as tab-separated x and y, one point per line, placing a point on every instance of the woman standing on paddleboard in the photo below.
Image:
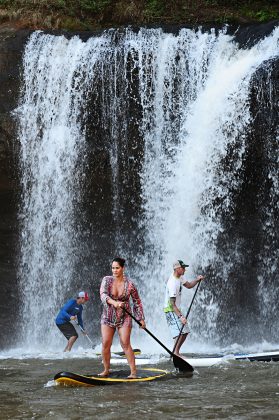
116	292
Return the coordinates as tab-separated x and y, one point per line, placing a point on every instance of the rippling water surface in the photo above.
233	390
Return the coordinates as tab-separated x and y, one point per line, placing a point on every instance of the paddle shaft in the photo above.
86	335
150	333
178	361
189	309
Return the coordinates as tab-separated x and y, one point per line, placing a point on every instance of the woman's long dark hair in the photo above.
120	261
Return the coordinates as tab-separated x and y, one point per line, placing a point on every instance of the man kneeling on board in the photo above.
71	311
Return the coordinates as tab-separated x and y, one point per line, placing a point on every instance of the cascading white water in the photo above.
56	79
193	92
195	96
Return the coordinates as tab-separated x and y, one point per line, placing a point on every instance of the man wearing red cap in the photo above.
71	311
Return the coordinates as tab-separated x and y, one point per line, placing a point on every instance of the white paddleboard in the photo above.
204	361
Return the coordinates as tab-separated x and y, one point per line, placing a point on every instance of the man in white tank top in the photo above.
174	317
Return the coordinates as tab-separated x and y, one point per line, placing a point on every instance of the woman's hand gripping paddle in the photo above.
180	332
178	362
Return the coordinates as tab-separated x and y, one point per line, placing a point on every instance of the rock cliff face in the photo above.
264	106
11	48
255	208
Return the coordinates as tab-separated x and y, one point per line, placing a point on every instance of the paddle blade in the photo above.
181	364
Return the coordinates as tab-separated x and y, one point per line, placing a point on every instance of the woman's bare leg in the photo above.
124	335
107	337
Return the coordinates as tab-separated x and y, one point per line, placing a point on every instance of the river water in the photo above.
232	390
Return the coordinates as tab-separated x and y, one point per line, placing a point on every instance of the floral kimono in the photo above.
116	317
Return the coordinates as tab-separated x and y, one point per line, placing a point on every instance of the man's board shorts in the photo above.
175	324
68	330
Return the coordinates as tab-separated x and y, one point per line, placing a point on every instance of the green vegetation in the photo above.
261	15
154	8
95	14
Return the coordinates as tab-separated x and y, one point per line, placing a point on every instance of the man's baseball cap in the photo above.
178	264
83	295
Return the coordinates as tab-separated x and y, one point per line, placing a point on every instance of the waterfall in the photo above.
167	121
53	154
